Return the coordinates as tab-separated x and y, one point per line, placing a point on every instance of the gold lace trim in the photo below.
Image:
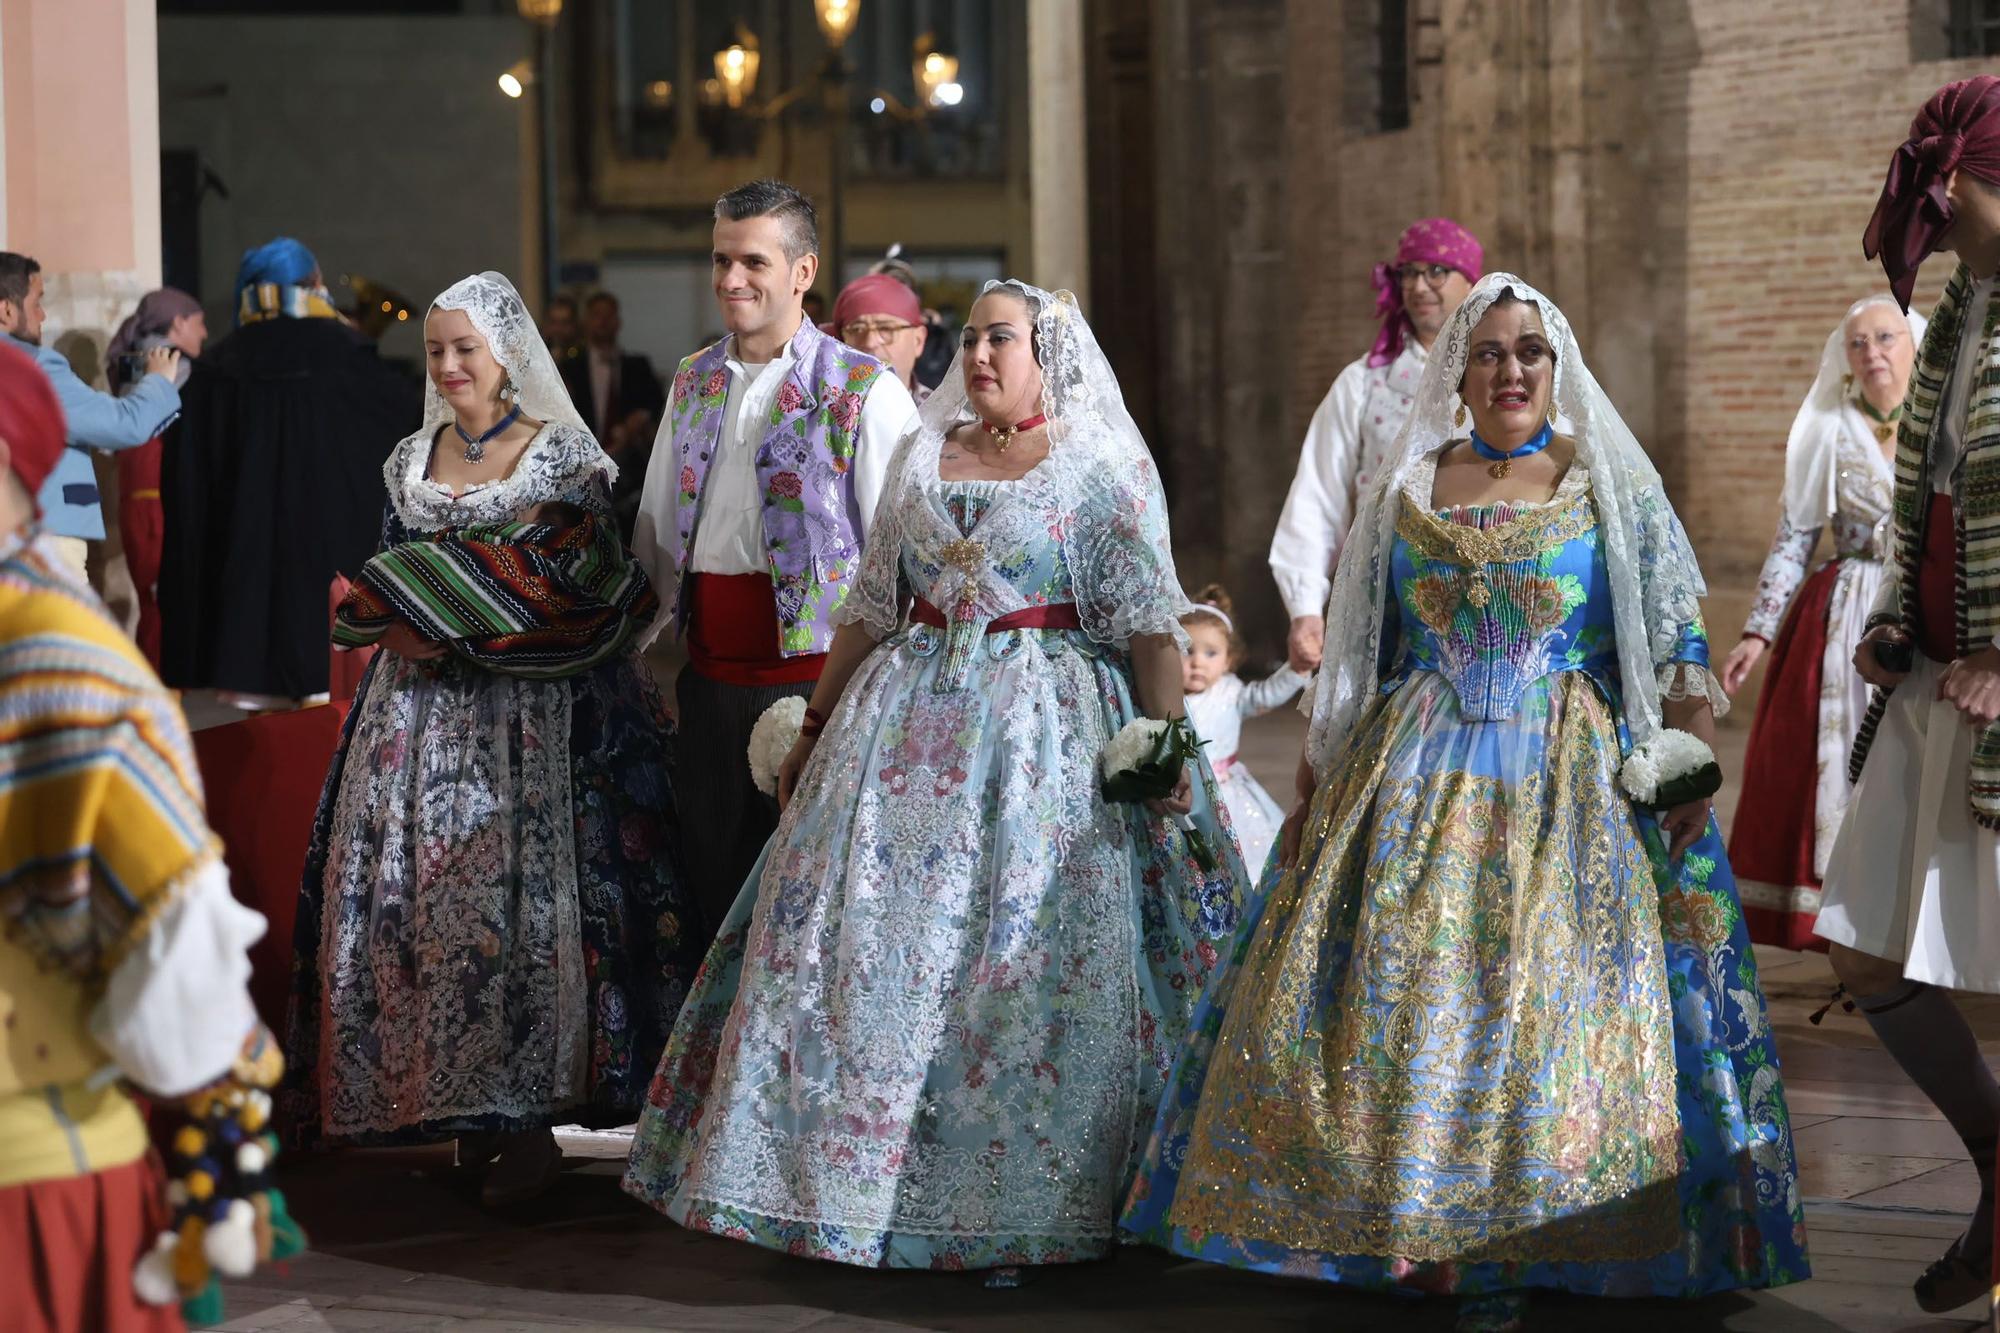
1522	537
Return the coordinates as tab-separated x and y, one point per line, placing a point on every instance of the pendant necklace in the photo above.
476	449
1005	434
1882	423
1500	464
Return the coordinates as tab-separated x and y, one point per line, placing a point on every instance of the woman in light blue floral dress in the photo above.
1495	1023
935	1027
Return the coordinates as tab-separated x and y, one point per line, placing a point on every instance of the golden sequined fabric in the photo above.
1451	1036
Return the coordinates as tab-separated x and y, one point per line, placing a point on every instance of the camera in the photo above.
1896	657
131	365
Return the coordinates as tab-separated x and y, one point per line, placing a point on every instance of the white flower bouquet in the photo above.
776	732
1672	768
1144	762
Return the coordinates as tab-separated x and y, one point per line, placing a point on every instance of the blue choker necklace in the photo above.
476	449
1500	464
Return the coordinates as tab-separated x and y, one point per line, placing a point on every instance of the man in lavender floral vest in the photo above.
757	499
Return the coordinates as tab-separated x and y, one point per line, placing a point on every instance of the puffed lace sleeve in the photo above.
1672	598
578	471
1784	570
876	596
1121	558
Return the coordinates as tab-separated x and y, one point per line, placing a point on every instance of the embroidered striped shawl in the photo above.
1978	573
101	817
522	599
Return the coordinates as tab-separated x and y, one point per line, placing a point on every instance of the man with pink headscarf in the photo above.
1437	261
1911	904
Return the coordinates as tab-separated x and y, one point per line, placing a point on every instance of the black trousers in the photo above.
725	820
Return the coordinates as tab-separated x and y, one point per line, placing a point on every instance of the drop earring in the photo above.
1458	418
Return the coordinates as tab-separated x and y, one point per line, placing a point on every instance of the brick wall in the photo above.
1688	178
1711	235
1793	109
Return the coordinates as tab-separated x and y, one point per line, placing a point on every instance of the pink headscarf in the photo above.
1431	241
1959	128
875	294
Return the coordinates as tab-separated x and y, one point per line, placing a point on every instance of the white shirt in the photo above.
729	530
1346	446
1217	713
729	534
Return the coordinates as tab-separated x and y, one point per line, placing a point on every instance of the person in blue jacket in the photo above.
96	420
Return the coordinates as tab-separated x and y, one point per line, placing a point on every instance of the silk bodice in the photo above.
1496	597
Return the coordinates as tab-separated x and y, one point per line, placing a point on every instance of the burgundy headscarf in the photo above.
1431	241
31	420
1958	128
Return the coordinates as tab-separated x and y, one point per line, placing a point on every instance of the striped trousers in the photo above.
725	821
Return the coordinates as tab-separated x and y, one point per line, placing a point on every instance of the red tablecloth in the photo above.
263	777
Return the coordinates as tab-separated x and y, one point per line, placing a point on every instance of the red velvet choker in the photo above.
1005	434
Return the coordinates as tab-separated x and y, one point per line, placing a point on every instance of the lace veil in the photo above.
1812	452
1656	585
502	318
1099	475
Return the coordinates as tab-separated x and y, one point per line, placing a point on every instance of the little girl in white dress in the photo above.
1217	703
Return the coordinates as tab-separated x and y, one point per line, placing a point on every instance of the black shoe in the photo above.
1956	1279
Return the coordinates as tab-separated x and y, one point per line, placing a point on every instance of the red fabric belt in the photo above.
1937	583
732	633
1056	615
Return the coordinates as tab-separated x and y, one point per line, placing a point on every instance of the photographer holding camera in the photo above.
68	500
168	317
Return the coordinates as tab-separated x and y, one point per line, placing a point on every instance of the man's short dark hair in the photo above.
562	299
15	273
798	224
601	298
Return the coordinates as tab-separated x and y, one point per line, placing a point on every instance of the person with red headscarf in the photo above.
122	953
883	317
1436	263
1911	903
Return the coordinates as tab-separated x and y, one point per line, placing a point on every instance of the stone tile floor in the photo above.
400	1242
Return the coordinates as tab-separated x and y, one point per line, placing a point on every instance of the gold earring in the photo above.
1458	419
1552	416
1847	385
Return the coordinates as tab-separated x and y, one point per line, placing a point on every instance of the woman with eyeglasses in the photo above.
1838	479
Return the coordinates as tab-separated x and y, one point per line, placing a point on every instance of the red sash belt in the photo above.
1937	583
1056	615
732	633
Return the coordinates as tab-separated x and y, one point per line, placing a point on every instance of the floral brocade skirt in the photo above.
934	1029
492	933
1482	1036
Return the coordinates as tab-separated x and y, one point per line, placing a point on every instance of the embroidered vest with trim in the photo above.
805	476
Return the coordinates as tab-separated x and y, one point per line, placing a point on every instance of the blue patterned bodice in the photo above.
1495	597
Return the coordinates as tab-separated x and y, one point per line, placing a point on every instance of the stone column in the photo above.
80	183
1059	226
80	154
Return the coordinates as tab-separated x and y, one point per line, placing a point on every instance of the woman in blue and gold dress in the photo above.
1495	1024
